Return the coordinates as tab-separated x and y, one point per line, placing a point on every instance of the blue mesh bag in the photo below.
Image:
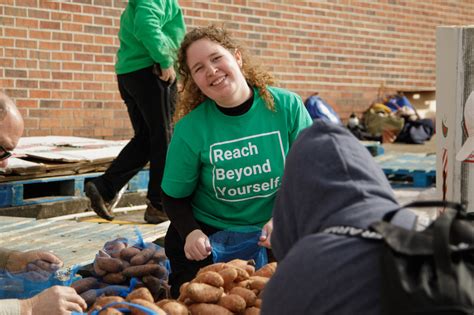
238	242
24	285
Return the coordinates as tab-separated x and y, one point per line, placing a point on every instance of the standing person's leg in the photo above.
159	139
139	92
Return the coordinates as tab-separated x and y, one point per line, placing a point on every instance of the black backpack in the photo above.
425	272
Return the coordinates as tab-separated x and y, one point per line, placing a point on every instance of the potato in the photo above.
89	296
214	267
110	311
106	300
266	271
113	248
183	295
258	282
84	284
161	272
142	257
160	303
128	253
175	308
228	275
248	295
114	278
141	293
210	277
157	287
233	302
99	272
159	256
112	290
112	265
140	271
241	273
258	303
203	293
250	269
243	284
252	311
206	309
147	304
241	263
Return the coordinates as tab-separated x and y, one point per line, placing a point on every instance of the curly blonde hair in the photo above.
191	96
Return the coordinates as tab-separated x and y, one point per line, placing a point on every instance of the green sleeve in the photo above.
182	168
159	34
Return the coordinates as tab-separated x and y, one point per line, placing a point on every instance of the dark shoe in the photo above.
153	215
97	202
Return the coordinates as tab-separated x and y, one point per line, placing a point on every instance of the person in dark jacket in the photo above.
330	179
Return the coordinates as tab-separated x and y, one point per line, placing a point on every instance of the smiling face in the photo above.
217	72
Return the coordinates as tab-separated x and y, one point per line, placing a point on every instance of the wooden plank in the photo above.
75	242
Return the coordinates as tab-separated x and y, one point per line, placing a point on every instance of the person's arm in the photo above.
160	29
58	300
180	213
10	307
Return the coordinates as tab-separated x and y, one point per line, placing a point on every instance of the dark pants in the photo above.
183	269
150	103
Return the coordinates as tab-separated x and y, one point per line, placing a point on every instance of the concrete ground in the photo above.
407	194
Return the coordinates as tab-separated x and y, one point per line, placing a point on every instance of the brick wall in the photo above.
57	57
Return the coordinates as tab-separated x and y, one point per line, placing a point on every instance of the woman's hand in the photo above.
197	246
266	234
55	300
35	264
168	75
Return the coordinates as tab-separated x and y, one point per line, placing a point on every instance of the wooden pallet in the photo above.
59	188
409	169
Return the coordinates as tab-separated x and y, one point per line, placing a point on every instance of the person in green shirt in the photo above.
150	33
227	153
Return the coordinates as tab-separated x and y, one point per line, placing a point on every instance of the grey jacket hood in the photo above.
330	179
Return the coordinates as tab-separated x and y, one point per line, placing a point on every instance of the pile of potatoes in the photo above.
218	289
141	296
117	263
226	288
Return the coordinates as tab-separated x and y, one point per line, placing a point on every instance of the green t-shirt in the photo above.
233	164
150	32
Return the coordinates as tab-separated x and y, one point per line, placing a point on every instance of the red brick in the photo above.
39	14
14	32
40	94
50	25
50	45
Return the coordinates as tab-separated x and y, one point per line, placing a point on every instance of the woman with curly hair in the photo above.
227	154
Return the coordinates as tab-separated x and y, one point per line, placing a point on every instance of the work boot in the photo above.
102	208
153	215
